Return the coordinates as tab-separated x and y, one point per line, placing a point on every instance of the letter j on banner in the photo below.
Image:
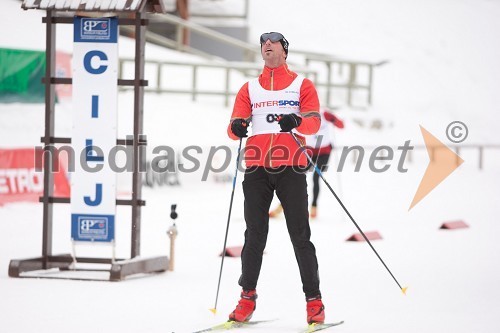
95	95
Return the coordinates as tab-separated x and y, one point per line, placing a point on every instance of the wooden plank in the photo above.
90	5
120	5
28	3
105	5
121	269
59	4
44	4
132	4
113	3
75	4
84	5
66	4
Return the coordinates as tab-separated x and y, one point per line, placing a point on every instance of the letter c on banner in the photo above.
88	59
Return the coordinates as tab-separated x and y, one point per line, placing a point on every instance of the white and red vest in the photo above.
268	105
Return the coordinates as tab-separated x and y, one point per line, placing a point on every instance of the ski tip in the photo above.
214	311
404	290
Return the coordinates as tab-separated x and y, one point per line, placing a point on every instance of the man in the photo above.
276	102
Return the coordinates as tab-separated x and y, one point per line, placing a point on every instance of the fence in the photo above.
230	82
330	74
349	78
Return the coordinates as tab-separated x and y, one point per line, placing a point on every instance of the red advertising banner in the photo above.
19	180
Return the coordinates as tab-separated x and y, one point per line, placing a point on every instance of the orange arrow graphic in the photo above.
443	161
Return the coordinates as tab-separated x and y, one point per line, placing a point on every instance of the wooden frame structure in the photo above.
129	12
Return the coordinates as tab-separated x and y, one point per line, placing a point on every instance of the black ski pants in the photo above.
290	185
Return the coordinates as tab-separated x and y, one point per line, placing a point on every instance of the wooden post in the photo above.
140	44
351	83
49	156
328	82
172	234
480	157
370	83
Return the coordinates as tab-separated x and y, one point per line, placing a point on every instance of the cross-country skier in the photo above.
319	147
275	103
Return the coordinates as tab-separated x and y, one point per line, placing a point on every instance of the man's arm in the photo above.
242	109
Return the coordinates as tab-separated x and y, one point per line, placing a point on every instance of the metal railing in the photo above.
223	15
231	83
181	25
355	76
352	81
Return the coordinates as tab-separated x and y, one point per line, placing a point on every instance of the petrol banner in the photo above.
21	176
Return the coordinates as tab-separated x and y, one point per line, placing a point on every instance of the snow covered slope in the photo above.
443	66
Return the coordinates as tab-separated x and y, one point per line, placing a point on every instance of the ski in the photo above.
231	324
318	327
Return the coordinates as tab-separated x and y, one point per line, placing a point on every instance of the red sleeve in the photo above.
309	108
242	109
333	119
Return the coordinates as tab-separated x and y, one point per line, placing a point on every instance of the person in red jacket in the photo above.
319	147
275	103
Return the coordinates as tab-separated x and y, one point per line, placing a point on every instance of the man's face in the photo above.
273	51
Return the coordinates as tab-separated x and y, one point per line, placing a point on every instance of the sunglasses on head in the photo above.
272	36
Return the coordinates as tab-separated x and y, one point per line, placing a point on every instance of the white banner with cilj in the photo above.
95	97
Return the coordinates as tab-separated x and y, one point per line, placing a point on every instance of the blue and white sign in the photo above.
93	29
93	227
95	97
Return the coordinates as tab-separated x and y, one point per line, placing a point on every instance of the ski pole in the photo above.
214	310
303	150
339	181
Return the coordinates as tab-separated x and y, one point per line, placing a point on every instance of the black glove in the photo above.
289	121
240	128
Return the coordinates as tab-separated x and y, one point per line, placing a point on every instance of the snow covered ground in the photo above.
443	67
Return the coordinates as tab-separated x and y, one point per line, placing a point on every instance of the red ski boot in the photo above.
315	310
246	306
